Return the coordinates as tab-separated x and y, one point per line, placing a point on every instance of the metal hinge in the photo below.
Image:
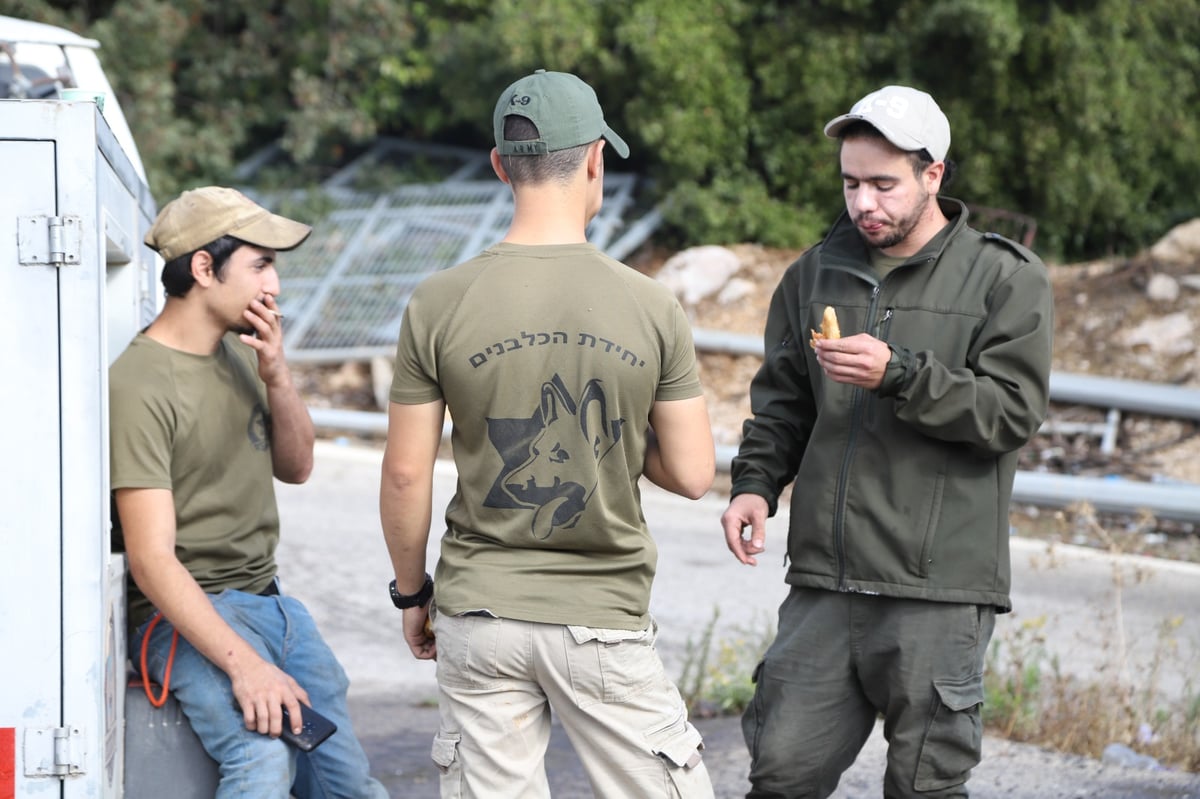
48	240
54	751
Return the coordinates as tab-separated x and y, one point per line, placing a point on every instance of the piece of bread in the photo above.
829	327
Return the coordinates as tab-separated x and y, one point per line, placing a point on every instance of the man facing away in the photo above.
902	440
203	415
568	376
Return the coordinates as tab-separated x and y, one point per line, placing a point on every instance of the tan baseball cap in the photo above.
907	117
200	216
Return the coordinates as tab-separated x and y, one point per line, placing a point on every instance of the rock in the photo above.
735	290
699	272
349	377
1172	334
1182	243
1122	755
1162	288
381	380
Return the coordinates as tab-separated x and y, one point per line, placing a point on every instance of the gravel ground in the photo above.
1009	770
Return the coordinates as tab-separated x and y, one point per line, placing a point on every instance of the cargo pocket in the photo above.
445	757
954	739
612	665
679	748
752	717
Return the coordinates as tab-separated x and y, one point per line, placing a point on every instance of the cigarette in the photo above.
277	313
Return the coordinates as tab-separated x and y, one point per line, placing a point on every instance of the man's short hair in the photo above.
558	165
177	276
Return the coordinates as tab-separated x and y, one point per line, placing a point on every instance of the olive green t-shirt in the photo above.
549	359
198	425
884	264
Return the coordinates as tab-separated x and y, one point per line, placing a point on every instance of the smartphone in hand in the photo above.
316	729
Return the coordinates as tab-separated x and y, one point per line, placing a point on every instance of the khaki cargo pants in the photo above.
840	660
499	680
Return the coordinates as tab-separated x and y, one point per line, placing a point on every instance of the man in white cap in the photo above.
204	414
568	376
901	437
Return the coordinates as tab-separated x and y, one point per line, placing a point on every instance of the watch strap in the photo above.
417	600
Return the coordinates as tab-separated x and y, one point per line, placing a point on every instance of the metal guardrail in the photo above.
1013	225
1178	501
1157	399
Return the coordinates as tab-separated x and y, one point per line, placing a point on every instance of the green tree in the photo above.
1078	114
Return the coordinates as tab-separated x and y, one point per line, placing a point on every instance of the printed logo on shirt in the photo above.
258	430
551	458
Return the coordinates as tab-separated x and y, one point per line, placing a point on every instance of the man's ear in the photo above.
498	166
934	173
202	268
595	160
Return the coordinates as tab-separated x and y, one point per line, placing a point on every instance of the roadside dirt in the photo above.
1106	324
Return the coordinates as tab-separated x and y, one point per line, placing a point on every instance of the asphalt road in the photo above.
332	556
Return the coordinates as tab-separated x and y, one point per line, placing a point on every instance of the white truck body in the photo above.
76	284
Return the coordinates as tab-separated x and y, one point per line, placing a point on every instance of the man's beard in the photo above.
901	229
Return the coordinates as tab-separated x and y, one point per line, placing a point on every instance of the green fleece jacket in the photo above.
903	491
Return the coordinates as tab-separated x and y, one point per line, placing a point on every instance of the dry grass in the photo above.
1031	698
716	673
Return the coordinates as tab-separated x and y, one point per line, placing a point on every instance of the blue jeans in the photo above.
282	632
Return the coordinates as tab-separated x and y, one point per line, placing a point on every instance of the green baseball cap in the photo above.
564	109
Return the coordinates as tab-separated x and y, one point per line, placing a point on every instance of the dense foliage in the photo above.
1078	114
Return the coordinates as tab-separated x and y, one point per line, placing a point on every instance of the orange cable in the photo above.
160	700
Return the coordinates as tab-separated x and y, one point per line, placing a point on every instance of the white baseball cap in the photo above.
908	118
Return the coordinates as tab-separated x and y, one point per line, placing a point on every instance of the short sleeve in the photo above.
141	429
681	376
415	379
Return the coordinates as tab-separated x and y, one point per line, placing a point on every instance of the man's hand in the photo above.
859	360
262	690
292	432
746	510
264	316
418	634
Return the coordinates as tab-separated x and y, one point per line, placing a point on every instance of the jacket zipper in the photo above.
884	325
857	405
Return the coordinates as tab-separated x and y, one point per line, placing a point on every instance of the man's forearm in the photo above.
406	488
406	510
292	433
181	600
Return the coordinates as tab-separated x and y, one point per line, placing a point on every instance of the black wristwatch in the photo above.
417	600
